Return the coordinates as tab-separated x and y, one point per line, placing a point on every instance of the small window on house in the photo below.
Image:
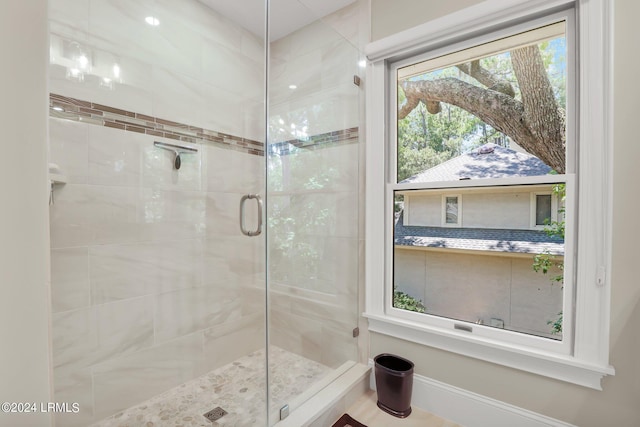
543	209
451	210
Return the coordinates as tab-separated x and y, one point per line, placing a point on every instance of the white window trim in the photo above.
443	218
589	360
534	208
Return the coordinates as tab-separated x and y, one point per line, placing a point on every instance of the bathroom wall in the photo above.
152	282
24	242
314	187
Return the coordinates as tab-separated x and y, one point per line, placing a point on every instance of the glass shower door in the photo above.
158	299
313	199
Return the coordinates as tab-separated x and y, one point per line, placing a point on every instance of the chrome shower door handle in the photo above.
243	201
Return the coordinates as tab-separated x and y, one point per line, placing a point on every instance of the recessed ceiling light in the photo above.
152	20
293	87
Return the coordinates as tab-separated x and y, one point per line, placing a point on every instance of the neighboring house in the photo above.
479	243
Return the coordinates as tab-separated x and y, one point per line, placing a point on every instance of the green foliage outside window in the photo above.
407	302
545	261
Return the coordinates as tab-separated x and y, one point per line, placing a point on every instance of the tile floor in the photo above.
367	412
238	388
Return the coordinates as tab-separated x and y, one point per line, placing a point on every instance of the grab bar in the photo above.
243	201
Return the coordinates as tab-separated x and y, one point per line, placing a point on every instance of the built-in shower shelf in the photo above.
57	178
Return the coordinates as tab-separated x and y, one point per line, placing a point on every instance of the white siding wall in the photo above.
496	210
505	209
479	287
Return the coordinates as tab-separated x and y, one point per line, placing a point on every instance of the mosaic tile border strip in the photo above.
102	115
322	140
64	107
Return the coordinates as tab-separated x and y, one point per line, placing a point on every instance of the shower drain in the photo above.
215	414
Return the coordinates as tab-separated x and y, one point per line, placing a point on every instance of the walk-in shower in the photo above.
220	276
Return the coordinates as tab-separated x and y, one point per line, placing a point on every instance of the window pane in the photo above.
543	209
493	113
452	210
492	269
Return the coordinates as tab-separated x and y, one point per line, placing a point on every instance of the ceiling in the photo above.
286	16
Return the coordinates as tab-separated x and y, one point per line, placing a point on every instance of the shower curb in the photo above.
334	398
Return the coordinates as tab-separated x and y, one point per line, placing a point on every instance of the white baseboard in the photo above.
471	409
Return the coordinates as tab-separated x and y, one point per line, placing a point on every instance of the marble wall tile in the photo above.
73	15
178	46
334	64
68	148
314	112
126	93
124	327
84	215
309	38
342	254
253	299
84	337
120	272
339	345
234	171
254	125
351	22
225	68
126	381
232	261
74	339
224	110
132	36
189	310
329	343
177	97
229	341
319	214
70	287
115	156
328	169
336	313
74	386
222	214
212	26
165	215
296	334
303	261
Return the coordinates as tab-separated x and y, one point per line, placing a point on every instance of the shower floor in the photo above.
237	388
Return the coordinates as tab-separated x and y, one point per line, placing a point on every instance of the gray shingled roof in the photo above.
488	161
479	239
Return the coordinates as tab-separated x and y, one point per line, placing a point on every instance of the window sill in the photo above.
563	368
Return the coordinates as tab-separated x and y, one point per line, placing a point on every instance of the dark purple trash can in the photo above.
394	384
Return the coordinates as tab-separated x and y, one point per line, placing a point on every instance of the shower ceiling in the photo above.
286	15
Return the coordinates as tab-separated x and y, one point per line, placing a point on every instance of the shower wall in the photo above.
152	282
313	182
